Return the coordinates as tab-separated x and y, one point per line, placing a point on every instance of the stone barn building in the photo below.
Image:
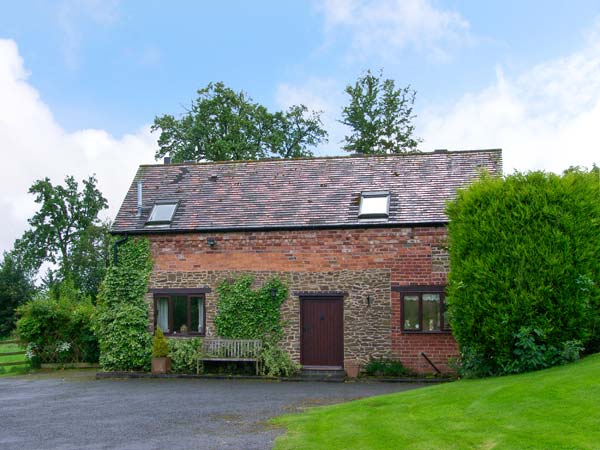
360	242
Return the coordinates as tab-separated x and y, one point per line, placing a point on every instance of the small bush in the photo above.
184	354
160	346
276	362
58	329
385	368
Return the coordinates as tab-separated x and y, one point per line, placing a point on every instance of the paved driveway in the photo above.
79	412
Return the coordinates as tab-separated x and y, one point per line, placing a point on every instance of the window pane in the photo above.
446	316
374	205
431	312
180	314
197	315
411	312
162	213
162	314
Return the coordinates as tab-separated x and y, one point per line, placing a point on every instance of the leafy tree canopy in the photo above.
16	287
67	232
224	125
380	117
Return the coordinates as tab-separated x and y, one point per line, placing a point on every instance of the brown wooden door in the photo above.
322	326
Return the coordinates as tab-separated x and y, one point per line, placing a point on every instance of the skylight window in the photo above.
162	213
374	205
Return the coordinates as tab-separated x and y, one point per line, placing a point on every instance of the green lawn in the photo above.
12	370
558	408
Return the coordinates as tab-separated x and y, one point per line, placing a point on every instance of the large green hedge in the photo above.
122	320
524	278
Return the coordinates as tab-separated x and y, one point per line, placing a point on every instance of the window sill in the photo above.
184	335
426	332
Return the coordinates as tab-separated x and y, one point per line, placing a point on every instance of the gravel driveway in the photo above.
72	410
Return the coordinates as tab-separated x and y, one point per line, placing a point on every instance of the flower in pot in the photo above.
161	363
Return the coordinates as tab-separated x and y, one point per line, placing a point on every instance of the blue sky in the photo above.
80	81
115	66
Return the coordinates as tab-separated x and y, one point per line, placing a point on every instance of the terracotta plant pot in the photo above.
161	365
352	369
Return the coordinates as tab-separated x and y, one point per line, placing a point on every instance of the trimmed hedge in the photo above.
524	278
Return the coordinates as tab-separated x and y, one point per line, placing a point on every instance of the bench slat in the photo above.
218	349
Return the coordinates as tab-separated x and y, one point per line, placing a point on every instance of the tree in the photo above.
224	125
89	258
67	232
380	117
16	287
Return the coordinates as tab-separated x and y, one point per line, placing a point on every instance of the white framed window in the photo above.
162	213
374	204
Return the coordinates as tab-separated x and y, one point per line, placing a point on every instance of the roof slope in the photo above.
320	192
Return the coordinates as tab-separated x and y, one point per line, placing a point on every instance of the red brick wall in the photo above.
407	347
414	256
407	252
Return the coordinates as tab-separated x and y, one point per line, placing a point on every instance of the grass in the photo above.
557	408
12	370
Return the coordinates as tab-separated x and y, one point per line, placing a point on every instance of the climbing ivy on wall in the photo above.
247	313
122	320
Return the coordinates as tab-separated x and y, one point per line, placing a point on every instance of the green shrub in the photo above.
58	329
122	321
276	362
160	346
524	276
184	354
385	368
125	343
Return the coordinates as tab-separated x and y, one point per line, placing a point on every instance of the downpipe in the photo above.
116	249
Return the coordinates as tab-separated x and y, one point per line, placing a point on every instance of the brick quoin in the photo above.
413	256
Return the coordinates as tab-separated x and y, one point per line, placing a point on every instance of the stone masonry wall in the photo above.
361	262
367	331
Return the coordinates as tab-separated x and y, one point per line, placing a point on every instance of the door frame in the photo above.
321	296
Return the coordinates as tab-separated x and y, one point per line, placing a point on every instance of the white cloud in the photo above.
318	94
34	146
545	118
72	15
383	27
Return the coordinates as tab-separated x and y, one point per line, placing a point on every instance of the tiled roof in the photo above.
304	192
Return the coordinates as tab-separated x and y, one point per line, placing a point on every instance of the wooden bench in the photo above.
218	349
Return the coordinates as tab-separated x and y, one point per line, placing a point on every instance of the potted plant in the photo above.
161	363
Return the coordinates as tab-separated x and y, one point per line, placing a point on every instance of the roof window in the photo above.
374	205
162	213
